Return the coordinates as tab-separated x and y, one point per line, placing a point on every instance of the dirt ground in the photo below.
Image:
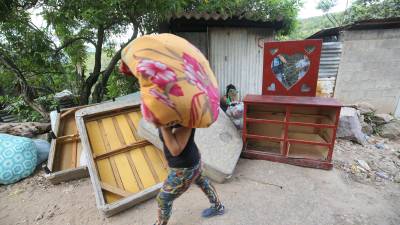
346	195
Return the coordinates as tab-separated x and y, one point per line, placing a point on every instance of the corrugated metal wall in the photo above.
236	57
330	59
198	39
328	67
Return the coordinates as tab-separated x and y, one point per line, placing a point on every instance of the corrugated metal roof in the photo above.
387	23
218	16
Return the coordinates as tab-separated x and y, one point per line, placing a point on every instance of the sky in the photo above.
309	8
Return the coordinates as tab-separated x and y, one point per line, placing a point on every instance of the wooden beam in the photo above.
115	190
68	137
74	153
103	115
66	113
122	149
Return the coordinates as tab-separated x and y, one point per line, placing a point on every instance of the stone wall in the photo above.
370	68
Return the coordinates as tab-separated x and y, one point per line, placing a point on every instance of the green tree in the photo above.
94	22
372	9
41	61
265	10
28	53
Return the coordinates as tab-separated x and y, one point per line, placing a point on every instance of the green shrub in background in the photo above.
119	85
17	107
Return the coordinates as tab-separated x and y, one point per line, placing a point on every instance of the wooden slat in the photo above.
158	163
103	115
114	190
122	149
134	170
112	161
308	142
74	153
118	131
163	160
66	113
142	168
319	125
253	120
132	126
151	166
66	137
254	136
129	178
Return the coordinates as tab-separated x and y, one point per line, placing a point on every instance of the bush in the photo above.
17	107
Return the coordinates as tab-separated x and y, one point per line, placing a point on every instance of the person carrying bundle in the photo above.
179	93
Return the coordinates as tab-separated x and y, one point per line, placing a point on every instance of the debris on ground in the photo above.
28	129
390	130
369	163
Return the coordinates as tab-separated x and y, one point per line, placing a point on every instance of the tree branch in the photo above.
71	41
26	90
99	90
94	76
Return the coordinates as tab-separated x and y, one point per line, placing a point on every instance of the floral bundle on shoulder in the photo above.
177	85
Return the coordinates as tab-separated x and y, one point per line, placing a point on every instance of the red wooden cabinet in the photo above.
287	124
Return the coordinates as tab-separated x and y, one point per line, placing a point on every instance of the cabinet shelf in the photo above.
253	136
292	133
307	138
307	151
267	116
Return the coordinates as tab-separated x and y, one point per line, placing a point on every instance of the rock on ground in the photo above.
382	118
390	130
349	126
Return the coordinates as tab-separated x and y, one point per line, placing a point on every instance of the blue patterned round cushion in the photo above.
18	156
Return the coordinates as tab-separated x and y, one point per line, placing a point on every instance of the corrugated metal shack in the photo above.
368	66
233	45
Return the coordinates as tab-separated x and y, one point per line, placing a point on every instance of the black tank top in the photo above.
189	157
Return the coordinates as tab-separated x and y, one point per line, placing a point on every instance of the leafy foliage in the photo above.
121	85
38	62
372	9
16	106
265	10
306	27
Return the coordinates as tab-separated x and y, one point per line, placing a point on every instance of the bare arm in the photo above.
176	139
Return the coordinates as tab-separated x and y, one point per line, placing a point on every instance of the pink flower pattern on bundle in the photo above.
147	114
162	98
160	74
197	76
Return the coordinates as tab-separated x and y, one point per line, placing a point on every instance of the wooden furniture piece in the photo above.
124	168
66	149
287	123
294	130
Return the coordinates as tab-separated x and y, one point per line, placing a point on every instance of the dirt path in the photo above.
308	197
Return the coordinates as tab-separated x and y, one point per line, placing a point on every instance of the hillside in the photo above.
308	26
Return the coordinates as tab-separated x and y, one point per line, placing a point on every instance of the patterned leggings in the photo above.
178	181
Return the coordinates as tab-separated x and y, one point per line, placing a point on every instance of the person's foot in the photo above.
213	211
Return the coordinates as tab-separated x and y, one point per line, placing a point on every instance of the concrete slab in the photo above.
220	146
